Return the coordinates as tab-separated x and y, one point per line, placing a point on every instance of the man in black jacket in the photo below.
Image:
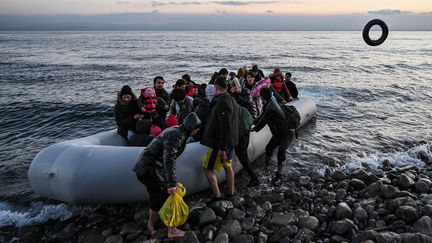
291	85
221	135
274	117
158	83
156	167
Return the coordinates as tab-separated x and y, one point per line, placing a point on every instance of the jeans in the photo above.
283	140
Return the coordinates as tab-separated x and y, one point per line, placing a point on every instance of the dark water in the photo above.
373	103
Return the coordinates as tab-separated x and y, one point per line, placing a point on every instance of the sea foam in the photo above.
37	212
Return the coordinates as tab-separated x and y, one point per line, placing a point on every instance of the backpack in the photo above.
291	115
245	121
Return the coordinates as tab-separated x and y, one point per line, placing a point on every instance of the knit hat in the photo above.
191	121
126	90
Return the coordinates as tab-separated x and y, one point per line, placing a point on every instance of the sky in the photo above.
321	7
213	14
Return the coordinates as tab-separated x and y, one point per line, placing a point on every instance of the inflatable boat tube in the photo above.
98	169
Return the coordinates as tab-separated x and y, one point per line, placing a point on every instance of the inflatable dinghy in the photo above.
98	169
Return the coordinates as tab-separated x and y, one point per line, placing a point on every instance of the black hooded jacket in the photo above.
221	128
274	117
124	113
162	93
159	158
292	88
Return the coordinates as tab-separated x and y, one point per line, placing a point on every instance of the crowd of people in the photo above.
219	114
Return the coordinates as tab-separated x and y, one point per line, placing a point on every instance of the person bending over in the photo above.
156	167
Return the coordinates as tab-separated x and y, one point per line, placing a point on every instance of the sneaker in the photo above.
253	183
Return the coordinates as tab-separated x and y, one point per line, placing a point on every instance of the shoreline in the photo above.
391	205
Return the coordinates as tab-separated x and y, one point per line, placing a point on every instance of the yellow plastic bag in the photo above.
175	211
219	165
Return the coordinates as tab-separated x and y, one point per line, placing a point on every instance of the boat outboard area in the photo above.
99	169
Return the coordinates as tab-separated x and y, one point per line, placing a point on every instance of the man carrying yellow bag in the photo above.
156	169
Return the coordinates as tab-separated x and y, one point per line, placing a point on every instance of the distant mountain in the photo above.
211	22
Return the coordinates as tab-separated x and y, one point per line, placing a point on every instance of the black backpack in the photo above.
292	116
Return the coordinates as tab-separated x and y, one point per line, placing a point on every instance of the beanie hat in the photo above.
126	90
191	121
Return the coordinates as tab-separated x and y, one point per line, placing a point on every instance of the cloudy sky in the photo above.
298	14
324	7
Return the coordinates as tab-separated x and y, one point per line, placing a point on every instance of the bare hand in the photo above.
291	98
172	190
223	155
137	116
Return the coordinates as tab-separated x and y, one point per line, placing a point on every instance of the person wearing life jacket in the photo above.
181	104
279	86
156	168
126	112
291	85
148	104
282	135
